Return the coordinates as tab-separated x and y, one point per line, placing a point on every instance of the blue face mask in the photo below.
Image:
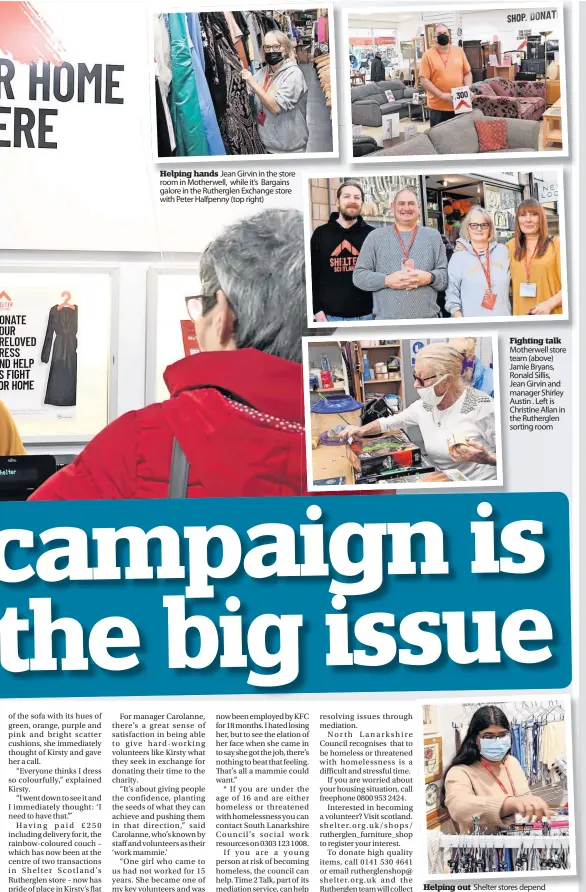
495	750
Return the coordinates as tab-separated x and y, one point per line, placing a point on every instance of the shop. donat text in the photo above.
270	640
33	128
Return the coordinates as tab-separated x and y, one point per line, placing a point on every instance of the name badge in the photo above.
489	300
261	116
528	289
407	265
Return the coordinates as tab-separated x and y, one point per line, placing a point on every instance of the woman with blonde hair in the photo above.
281	93
536	266
456	422
478	274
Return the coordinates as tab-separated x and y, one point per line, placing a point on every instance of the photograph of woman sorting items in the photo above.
245	82
494	770
412	412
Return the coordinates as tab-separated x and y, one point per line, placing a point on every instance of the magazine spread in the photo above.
289	468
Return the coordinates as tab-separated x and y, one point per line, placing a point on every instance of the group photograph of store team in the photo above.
457	82
242	82
405	247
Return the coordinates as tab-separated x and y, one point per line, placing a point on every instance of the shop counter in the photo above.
331	461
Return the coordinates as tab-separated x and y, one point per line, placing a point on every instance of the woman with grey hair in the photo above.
456	422
479	278
233	425
281	93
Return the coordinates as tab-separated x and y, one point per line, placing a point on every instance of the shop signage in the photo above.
539	15
547	190
462	99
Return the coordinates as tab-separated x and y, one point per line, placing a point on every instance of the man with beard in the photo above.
443	67
404	265
335	247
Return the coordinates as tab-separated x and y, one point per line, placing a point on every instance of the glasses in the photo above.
199	304
421	381
479	225
276	48
490	736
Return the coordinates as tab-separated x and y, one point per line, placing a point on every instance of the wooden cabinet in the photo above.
552	91
506	71
394	383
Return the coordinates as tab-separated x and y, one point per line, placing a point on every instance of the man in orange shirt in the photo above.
443	67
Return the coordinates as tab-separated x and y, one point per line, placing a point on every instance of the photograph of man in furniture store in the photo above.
442	245
405	68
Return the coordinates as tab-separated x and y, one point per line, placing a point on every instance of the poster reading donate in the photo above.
54	343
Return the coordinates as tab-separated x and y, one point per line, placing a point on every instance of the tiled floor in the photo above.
318	114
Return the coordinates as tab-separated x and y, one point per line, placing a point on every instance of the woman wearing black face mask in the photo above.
281	94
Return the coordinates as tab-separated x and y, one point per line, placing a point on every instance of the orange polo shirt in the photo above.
445	71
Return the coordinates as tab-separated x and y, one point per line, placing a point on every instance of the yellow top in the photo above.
546	273
10	442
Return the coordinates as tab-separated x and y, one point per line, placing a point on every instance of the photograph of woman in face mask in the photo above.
485	781
281	93
447	407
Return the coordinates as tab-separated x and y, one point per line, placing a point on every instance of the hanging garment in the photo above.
322	30
229	92
237	38
241	23
62	381
164	127
185	110
212	129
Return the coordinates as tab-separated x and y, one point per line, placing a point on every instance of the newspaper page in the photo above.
289	404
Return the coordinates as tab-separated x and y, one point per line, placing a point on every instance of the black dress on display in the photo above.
62	382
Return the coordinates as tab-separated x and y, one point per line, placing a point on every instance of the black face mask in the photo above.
443	39
274	58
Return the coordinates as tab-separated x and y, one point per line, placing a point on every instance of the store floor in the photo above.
318	114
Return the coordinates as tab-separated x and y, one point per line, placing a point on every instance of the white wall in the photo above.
483	25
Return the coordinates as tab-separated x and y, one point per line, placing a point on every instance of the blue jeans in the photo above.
349	318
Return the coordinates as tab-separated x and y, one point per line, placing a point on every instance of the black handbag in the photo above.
373	410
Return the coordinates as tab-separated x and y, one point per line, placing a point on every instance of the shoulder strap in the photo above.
179	474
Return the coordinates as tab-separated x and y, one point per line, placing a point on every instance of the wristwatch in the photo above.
432	278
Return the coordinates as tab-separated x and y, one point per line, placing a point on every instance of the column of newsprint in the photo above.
154	796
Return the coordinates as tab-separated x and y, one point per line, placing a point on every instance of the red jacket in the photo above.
232	450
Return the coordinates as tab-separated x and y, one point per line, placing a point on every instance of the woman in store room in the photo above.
536	266
485	781
10	442
479	376
479	278
456	421
233	423
281	94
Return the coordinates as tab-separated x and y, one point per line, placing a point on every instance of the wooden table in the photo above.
552	124
357	78
331	461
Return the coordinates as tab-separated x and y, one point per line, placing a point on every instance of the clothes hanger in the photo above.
67	302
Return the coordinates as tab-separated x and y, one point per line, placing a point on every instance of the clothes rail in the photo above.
503	842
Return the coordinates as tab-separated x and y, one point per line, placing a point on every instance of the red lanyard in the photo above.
485	269
445	64
528	263
406	251
268	79
501	785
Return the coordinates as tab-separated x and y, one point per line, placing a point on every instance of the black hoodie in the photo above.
334	252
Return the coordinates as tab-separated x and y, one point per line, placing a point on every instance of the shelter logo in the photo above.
6	302
347	262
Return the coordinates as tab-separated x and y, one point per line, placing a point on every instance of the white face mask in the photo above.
428	394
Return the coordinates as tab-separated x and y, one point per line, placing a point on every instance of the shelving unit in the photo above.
394	384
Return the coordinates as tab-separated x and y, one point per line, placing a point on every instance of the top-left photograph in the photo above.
244	82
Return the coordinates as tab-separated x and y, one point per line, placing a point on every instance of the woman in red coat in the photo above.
233	425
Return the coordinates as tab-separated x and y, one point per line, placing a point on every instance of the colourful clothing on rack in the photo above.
185	109
210	121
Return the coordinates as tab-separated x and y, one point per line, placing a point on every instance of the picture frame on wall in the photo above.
433	759
430	36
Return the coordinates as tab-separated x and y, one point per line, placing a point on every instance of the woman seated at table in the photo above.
456	421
